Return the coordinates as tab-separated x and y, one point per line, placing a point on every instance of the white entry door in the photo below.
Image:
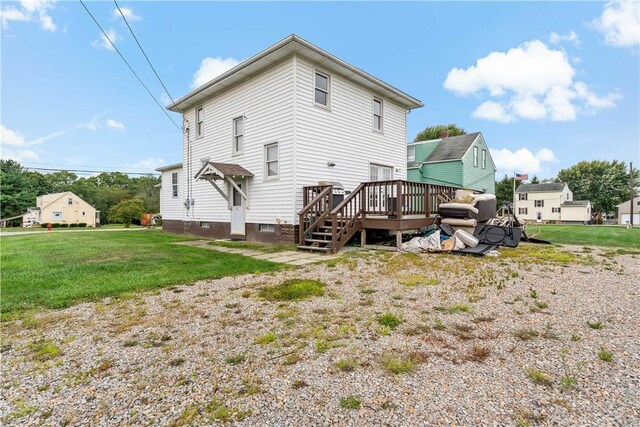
237	211
378	196
380	173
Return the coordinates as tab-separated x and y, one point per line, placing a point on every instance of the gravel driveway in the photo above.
396	339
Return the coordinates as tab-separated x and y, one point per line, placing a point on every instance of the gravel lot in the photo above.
472	333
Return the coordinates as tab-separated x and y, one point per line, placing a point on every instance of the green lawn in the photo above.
54	270
587	235
262	247
40	229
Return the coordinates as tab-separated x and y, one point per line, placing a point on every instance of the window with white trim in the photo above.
321	95
238	135
267	228
70	200
174	184
57	216
205	224
411	154
377	114
538	203
484	159
555	210
522	196
199	122
271	160
475	157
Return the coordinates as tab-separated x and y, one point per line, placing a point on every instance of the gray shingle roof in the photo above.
547	186
575	203
452	148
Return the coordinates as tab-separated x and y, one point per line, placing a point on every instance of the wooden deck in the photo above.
395	206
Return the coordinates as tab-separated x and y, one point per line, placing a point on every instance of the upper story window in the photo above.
70	200
199	122
475	157
522	196
271	159
411	154
377	114
174	184
238	135
484	159
539	203
321	96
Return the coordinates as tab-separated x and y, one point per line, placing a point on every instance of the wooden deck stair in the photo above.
391	205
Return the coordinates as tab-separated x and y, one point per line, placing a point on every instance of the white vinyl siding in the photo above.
411	154
171	207
321	93
377	114
271	160
199	122
238	135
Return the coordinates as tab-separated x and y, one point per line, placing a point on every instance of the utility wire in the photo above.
87	171
143	52
130	68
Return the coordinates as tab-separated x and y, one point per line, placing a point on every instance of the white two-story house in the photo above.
550	202
291	116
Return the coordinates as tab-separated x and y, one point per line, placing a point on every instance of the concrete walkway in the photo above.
285	257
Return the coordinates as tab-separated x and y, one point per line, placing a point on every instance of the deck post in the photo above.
363	238
427	200
399	239
399	199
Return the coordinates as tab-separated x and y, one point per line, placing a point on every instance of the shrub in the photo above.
56	225
82	224
64	225
126	211
73	225
44	225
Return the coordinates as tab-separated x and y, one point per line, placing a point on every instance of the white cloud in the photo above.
620	23
29	11
531	82
19	155
128	13
103	43
11	137
211	68
570	37
114	124
522	160
150	163
164	99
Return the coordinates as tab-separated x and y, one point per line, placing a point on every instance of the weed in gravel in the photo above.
401	262
219	411
539	377
438	325
130	343
246	293
368	291
417	330
298	383
347	364
595	325
291	359
533	293
397	364
105	365
23	410
478	353
456	308
526	334
388	405
44	350
417	280
250	386
236	359
575	337
265	339
541	304
350	402
389	320
481	319
293	290
605	355
176	362
383	330
322	346
549	333
568	381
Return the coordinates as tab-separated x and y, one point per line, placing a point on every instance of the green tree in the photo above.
433	132
144	188
535	180
604	183
108	197
59	182
17	192
126	211
504	190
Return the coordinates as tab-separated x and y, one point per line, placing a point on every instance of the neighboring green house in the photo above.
462	161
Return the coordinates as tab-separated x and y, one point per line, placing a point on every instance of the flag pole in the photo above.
514	193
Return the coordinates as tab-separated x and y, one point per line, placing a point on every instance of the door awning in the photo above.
221	171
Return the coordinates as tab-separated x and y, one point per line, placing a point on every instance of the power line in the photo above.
87	171
130	68
143	52
65	166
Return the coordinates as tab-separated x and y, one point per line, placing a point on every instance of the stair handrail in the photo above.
337	231
316	201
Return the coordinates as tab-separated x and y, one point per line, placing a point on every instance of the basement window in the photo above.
205	224
267	228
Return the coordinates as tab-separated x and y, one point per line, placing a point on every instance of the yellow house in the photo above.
61	208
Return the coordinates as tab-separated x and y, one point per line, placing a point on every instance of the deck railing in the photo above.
318	203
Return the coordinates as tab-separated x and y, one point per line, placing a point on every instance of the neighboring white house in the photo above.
61	208
624	212
550	202
291	116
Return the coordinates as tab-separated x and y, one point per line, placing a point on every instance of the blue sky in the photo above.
548	84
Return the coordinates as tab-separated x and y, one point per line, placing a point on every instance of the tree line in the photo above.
19	188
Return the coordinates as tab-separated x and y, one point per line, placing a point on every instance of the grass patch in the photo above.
538	377
265	339
389	320
94	265
526	334
254	246
293	290
350	402
605	355
236	359
347	364
44	350
478	353
608	236
397	364
455	308
595	325
417	280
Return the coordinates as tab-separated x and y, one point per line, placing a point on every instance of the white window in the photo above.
57	216
380	173
522	196
555	210
83	213
522	211
475	157
484	159
238	135
204	224
271	158
70	200
538	203
411	154
268	228
174	184
377	114
199	122
321	96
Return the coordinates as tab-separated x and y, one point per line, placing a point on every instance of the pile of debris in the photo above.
468	226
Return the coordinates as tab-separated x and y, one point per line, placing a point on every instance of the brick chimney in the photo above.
444	134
